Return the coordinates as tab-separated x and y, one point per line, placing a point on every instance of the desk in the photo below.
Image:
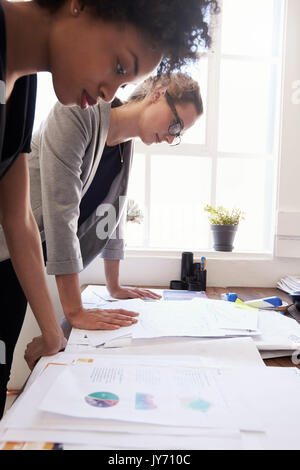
245	294
248	293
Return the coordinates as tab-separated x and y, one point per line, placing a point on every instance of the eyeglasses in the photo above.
176	127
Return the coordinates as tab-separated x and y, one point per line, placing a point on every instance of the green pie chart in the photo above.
102	399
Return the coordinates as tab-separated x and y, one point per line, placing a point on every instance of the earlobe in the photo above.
76	7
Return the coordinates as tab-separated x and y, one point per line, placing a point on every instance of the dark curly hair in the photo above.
178	27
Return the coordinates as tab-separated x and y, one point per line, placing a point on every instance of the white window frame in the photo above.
209	149
287	237
157	268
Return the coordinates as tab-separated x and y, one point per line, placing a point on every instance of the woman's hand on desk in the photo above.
98	319
42	346
112	267
132	293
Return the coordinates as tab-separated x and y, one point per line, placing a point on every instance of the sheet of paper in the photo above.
113	338
219	353
289	283
194	318
273	394
25	415
228	352
172	294
78	337
176	396
229	315
277	332
263	391
126	441
95	296
198	317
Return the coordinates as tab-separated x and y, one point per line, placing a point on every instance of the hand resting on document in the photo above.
101	319
42	346
119	292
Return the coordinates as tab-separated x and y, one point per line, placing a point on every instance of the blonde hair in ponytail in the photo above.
181	86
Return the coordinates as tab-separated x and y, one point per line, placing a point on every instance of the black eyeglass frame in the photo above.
178	121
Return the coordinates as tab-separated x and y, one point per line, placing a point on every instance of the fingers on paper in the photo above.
144	293
121	312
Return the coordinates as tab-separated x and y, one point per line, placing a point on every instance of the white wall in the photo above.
288	229
223	269
20	370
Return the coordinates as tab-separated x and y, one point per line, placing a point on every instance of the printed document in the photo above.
193	318
164	395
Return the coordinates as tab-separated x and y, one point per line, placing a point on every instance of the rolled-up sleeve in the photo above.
63	144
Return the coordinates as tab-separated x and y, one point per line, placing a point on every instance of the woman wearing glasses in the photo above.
80	203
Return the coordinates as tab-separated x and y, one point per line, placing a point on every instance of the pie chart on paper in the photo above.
102	399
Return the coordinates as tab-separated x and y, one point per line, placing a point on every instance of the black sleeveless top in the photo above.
109	167
16	126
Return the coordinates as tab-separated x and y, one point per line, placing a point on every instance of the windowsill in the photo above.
209	254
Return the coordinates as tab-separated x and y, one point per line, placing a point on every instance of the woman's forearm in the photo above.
111	269
69	293
24	245
69	288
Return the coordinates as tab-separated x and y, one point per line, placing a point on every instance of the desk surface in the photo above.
248	293
254	293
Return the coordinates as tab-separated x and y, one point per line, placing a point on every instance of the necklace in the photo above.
121	149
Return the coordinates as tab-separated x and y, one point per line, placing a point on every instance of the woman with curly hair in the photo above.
91	48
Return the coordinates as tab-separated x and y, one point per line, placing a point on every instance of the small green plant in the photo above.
222	216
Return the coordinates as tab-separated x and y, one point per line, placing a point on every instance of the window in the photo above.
230	156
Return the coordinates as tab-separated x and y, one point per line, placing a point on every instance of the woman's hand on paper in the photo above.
133	293
99	319
44	346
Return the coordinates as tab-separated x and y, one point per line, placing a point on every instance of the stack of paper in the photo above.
274	334
278	331
153	403
204	318
229	352
289	284
95	296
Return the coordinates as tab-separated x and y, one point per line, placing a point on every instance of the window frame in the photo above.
210	148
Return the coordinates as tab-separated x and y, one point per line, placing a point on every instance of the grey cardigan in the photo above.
66	152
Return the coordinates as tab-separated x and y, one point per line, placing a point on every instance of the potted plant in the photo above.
224	224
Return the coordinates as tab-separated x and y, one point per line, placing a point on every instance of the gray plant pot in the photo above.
223	236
